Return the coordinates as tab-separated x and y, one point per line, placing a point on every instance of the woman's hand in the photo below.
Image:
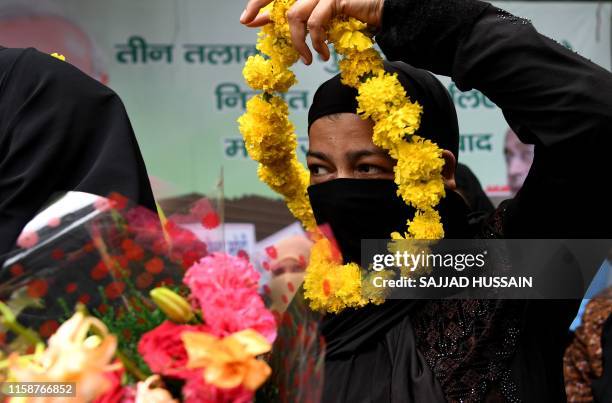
313	17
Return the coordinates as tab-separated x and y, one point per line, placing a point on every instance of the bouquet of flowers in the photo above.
135	308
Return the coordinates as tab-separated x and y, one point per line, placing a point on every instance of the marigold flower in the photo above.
58	56
329	285
426	225
356	65
392	129
267	75
347	35
378	94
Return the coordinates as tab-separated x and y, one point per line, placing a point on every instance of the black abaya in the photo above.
553	98
60	130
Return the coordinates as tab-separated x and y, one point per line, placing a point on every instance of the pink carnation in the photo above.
225	289
230	311
220	271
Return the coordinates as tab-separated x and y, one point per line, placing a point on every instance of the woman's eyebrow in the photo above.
357	154
318	154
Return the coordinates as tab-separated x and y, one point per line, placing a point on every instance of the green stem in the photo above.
8	319
130	366
127	363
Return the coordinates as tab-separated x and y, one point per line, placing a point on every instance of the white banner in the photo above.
177	65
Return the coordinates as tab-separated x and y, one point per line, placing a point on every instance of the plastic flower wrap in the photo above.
104	253
162	319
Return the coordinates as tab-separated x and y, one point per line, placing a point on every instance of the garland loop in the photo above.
269	137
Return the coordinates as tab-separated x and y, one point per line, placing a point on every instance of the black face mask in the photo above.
357	209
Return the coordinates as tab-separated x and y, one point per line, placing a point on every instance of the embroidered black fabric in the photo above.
469	344
418	21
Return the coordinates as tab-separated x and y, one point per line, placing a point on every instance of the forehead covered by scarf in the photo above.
439	118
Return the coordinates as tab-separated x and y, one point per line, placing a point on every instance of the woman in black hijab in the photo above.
470	350
60	130
372	352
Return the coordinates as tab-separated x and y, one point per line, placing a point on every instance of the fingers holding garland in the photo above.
252	9
262	19
298	18
318	23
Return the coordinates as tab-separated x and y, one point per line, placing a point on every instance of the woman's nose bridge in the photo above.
345	172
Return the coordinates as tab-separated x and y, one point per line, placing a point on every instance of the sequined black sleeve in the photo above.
562	103
550	96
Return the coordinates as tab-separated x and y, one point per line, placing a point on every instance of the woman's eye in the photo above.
369	169
317	170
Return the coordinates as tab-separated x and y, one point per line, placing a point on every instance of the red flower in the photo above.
118	201
114	289
135	253
190	257
103	308
127	244
120	267
196	390
163	351
144	280
48	328
243	255
16	270
116	393
154	266
38	288
71	287
57	254
211	220
84	299
99	271
160	247
271	251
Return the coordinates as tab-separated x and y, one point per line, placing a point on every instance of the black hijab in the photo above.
412	350
439	118
60	130
356	209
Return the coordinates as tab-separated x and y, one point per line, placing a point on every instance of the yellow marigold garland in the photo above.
270	139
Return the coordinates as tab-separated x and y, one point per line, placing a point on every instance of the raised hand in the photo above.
313	17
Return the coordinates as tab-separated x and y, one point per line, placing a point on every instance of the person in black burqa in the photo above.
470	350
470	188
60	130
